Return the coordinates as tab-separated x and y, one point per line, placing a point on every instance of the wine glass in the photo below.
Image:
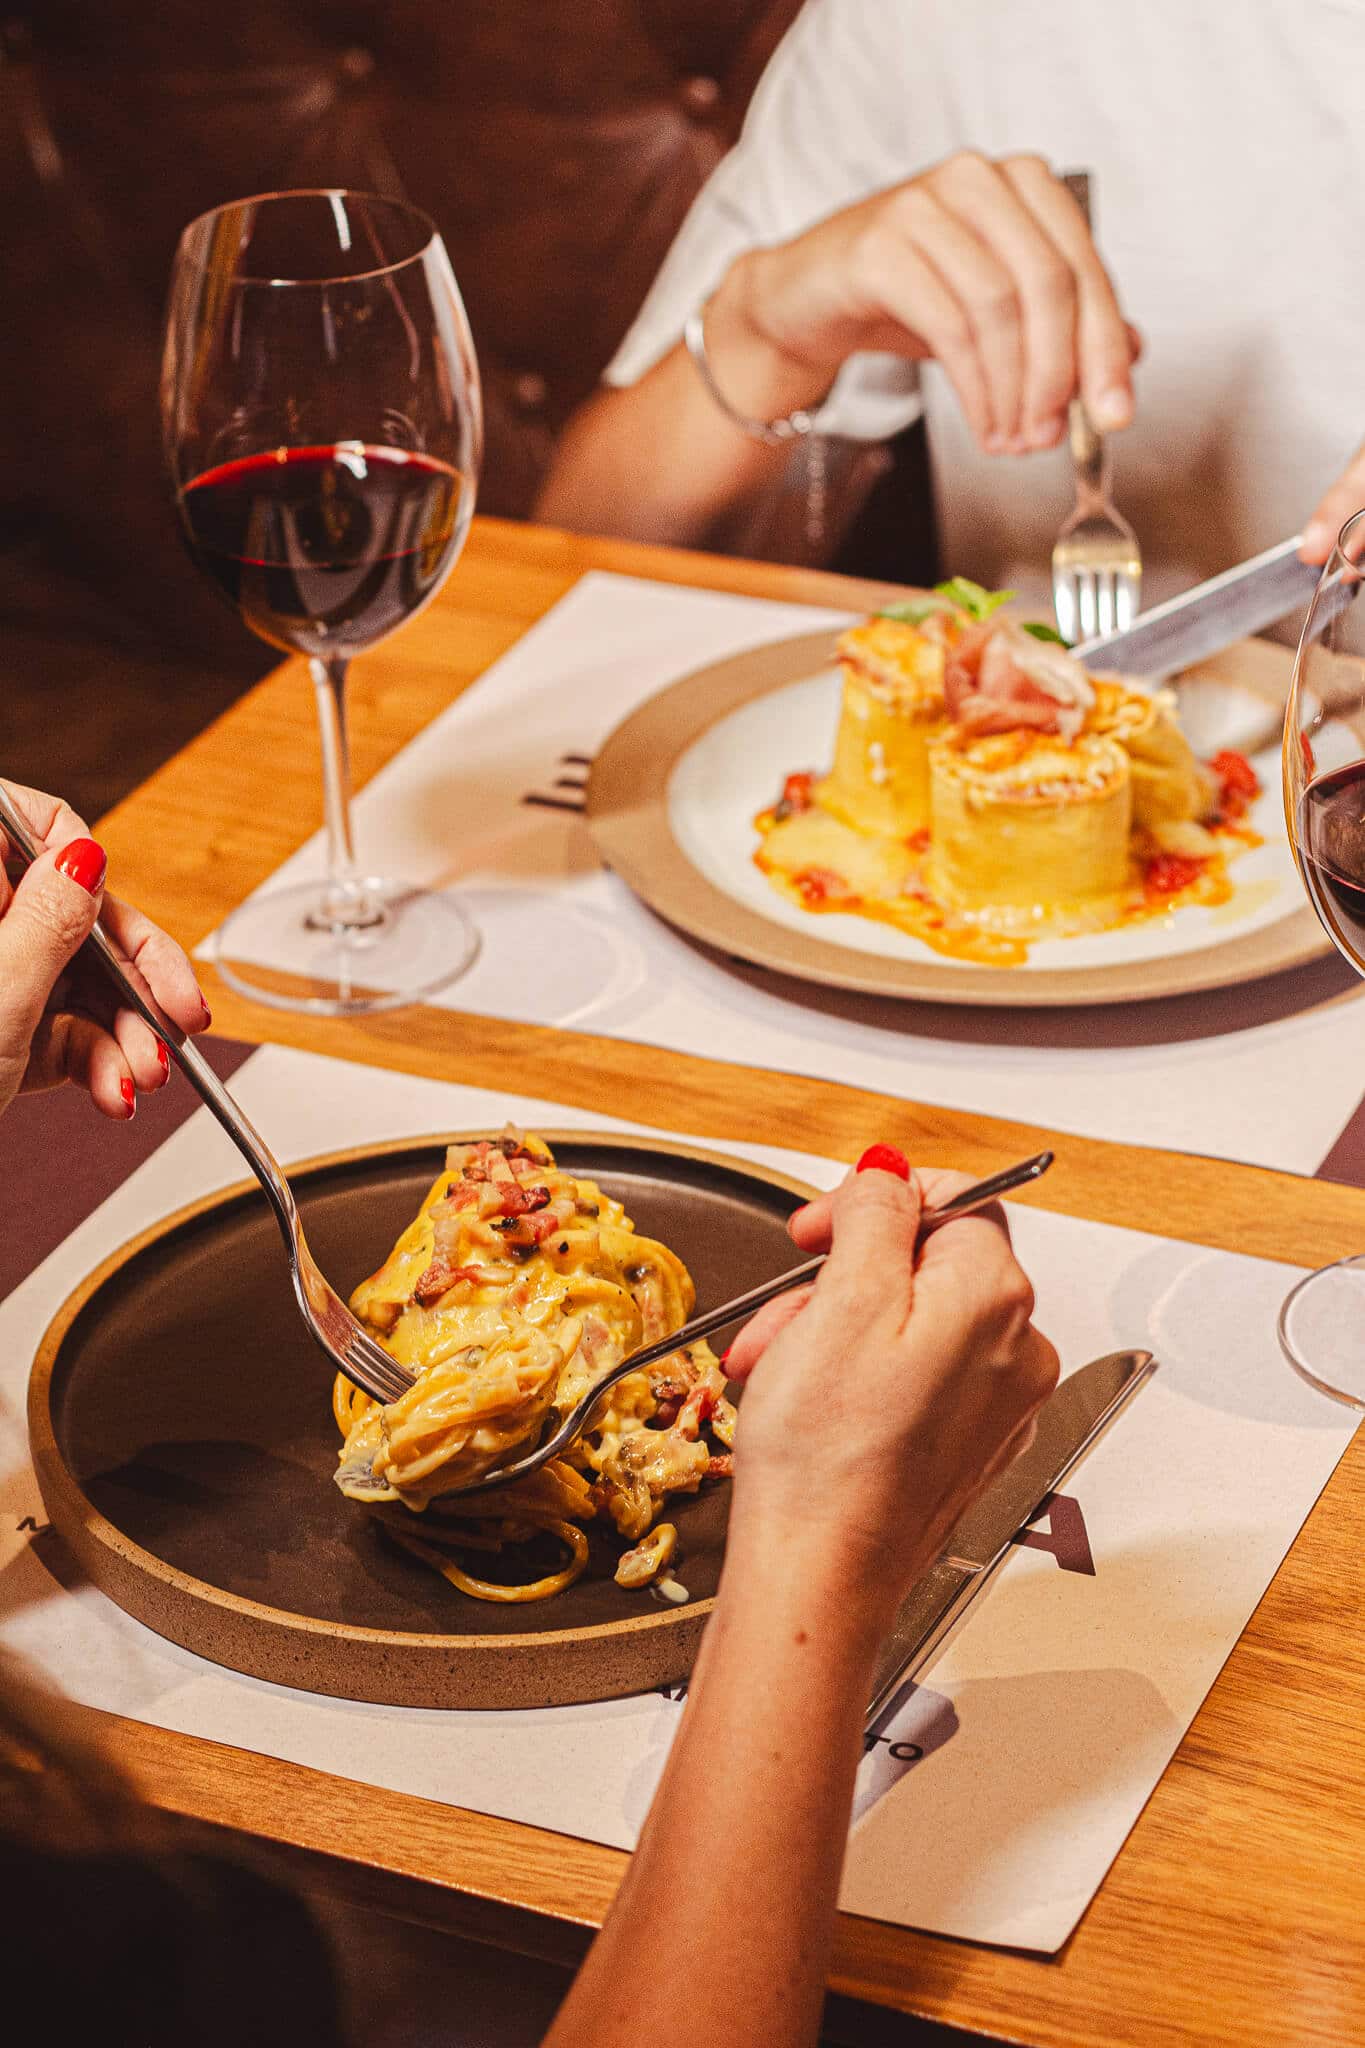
1323	1317
322	424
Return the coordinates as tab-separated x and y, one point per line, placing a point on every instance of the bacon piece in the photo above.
520	1201
720	1465
697	1409
439	1277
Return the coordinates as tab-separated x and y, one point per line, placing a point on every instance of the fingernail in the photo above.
993	443
129	1094
1046	432
1316	536
208	1014
164	1057
84	861
1113	408
885	1159
725	1354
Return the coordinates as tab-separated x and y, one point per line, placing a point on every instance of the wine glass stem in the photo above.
346	901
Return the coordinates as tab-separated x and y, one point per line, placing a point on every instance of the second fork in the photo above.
1096	560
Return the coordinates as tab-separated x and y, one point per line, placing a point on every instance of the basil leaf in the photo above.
958	594
969	597
1048	633
916	611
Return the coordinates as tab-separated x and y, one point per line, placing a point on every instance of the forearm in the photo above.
722	1929
658	460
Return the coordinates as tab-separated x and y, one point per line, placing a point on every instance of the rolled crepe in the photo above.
1027	822
892	707
1169	784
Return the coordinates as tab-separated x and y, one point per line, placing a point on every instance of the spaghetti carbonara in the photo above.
513	1290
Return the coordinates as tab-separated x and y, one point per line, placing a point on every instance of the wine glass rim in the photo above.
332	193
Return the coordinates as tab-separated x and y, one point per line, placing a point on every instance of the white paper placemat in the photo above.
1267	1074
999	1794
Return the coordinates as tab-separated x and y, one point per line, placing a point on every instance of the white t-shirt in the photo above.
1226	146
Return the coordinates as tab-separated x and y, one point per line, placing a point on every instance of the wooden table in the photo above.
1236	1910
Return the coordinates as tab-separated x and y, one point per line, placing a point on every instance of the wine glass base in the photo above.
1322	1330
276	949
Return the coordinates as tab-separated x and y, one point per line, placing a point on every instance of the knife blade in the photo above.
1199	622
1068	1424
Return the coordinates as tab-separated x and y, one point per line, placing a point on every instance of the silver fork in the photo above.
352	1350
576	1421
1096	562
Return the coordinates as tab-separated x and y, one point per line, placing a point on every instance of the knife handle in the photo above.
927	1613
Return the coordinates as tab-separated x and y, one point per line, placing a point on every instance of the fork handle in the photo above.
101	949
1087	442
1089	456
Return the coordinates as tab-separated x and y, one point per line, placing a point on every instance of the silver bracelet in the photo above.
773	433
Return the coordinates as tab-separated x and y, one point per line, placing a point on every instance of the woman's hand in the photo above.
882	1399
987	268
63	1024
1333	509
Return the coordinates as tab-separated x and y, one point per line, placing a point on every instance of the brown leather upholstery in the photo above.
556	142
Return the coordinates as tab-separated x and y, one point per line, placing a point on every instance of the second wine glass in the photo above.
322	424
1324	803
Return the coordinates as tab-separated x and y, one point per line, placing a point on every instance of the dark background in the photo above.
557	143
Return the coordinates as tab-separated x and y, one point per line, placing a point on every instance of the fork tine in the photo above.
1104	606
1085	602
1064	604
384	1378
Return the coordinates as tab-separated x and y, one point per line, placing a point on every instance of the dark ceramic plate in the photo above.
185	1445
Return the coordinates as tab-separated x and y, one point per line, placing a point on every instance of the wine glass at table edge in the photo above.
1322	1320
322	423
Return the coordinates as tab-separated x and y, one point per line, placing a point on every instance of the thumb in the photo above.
53	908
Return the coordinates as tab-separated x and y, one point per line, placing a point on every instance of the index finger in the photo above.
1103	344
811	1226
871	1259
51	821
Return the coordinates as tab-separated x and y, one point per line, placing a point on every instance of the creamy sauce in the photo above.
988	938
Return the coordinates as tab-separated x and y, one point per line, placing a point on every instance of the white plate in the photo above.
674	792
736	770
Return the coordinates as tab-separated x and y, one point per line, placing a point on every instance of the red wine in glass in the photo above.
322	424
1331	844
325	550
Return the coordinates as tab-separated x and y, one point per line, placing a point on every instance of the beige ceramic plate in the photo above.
674	789
180	1418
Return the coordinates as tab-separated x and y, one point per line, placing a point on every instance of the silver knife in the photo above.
1199	622
1067	1426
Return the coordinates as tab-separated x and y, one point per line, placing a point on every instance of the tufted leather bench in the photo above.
557	143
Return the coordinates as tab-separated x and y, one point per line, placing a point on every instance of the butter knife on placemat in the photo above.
1199	622
1068	1424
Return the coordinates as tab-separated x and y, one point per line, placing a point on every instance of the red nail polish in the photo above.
129	1094
84	861
208	1014
725	1354
885	1159
164	1057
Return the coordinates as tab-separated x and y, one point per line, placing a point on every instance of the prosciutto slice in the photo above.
999	678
